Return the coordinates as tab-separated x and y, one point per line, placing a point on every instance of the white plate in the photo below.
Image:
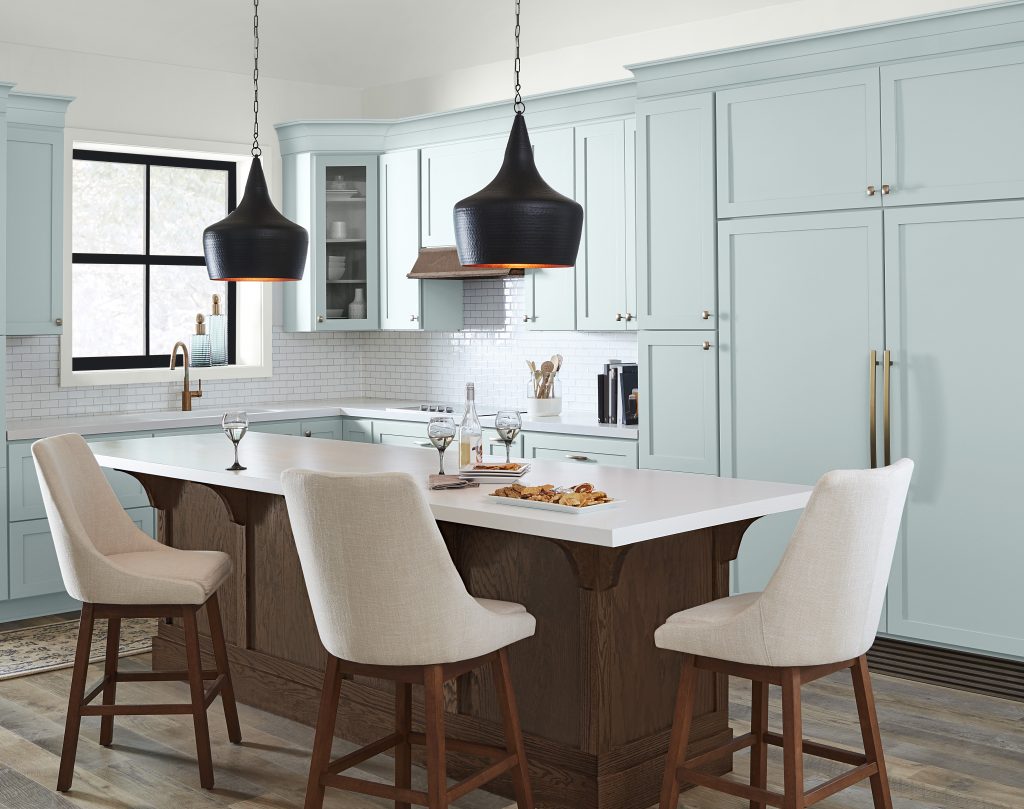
509	501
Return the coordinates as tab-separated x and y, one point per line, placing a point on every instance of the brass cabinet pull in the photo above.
886	407
705	314
871	190
706	345
872	407
886	189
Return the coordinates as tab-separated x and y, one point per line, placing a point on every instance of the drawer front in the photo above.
276	427
33	569
496	447
360	430
583	450
329	428
398	440
26	499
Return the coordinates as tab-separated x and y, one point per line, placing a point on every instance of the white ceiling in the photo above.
350	43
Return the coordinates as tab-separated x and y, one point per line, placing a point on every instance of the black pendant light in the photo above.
255	242
518	220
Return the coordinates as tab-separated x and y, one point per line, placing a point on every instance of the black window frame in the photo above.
148	259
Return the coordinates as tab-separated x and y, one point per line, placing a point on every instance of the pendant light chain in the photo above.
256	150
518	105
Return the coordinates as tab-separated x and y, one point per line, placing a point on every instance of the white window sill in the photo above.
134	376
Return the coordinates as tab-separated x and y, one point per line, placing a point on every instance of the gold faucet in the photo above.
187	395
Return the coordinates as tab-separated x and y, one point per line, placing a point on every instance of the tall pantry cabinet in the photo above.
846	298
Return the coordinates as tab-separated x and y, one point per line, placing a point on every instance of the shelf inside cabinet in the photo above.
345	241
348	281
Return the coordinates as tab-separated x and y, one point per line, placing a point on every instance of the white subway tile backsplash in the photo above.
491	351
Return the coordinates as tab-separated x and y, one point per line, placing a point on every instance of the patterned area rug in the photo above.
47	648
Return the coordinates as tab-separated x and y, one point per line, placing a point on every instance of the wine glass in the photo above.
235	424
508	423
441	432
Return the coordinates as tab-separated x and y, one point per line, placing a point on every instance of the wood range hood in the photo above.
442	263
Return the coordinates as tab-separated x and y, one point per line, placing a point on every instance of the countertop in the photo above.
24	429
651	504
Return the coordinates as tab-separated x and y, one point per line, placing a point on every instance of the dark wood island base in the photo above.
595	695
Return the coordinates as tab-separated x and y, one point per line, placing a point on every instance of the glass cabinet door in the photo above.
346	243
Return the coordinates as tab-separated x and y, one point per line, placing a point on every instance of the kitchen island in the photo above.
595	695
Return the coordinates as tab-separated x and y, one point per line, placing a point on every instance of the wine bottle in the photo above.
471	435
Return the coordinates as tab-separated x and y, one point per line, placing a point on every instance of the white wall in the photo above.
604	61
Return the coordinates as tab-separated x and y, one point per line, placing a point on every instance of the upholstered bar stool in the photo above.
117	571
818	615
389	603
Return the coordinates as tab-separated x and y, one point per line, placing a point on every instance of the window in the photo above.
138	276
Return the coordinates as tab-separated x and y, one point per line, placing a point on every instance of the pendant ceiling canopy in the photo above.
255	242
518	220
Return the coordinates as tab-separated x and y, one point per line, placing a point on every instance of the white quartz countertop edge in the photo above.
105	423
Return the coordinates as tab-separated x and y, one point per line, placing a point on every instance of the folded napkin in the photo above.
449	482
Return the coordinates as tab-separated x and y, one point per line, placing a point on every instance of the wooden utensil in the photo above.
546	368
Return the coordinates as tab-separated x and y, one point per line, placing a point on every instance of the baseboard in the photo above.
994	676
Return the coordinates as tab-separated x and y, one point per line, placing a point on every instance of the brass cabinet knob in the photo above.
886	189
706	345
308	433
618	317
705	314
871	190
319	318
59	321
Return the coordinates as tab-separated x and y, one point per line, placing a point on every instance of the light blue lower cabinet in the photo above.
329	428
679	401
32	568
494	446
360	430
801	307
276	427
580	449
4	545
402	434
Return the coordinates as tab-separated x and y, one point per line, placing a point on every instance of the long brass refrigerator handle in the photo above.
872	408
886	402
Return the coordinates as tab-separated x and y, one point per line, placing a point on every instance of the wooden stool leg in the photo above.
870	732
220	655
792	740
195	681
324	737
513	733
437	770
680	738
403	750
110	675
759	726
74	719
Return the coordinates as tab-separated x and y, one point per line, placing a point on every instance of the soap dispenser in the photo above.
218	329
199	356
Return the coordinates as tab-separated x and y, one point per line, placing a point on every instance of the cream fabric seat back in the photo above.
87	521
826	595
381	582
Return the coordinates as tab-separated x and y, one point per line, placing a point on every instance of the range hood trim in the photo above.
442	264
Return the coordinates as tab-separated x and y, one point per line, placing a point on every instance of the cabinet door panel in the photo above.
952	128
329	428
360	430
580	449
679	398
551	293
449	173
956	413
809	144
399	239
601	189
801	307
675	188
275	427
35	207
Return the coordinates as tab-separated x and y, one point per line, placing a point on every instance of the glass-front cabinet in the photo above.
335	197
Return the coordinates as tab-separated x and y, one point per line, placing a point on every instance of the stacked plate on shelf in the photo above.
495	472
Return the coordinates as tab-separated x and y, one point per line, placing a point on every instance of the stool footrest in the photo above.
827	751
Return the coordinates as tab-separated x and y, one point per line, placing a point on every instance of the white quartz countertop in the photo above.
652	504
97	424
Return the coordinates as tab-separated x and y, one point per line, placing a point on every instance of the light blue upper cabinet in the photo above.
801	300
956	412
409	303
335	197
35	214
451	172
606	266
809	144
675	189
679	400
550	294
952	128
